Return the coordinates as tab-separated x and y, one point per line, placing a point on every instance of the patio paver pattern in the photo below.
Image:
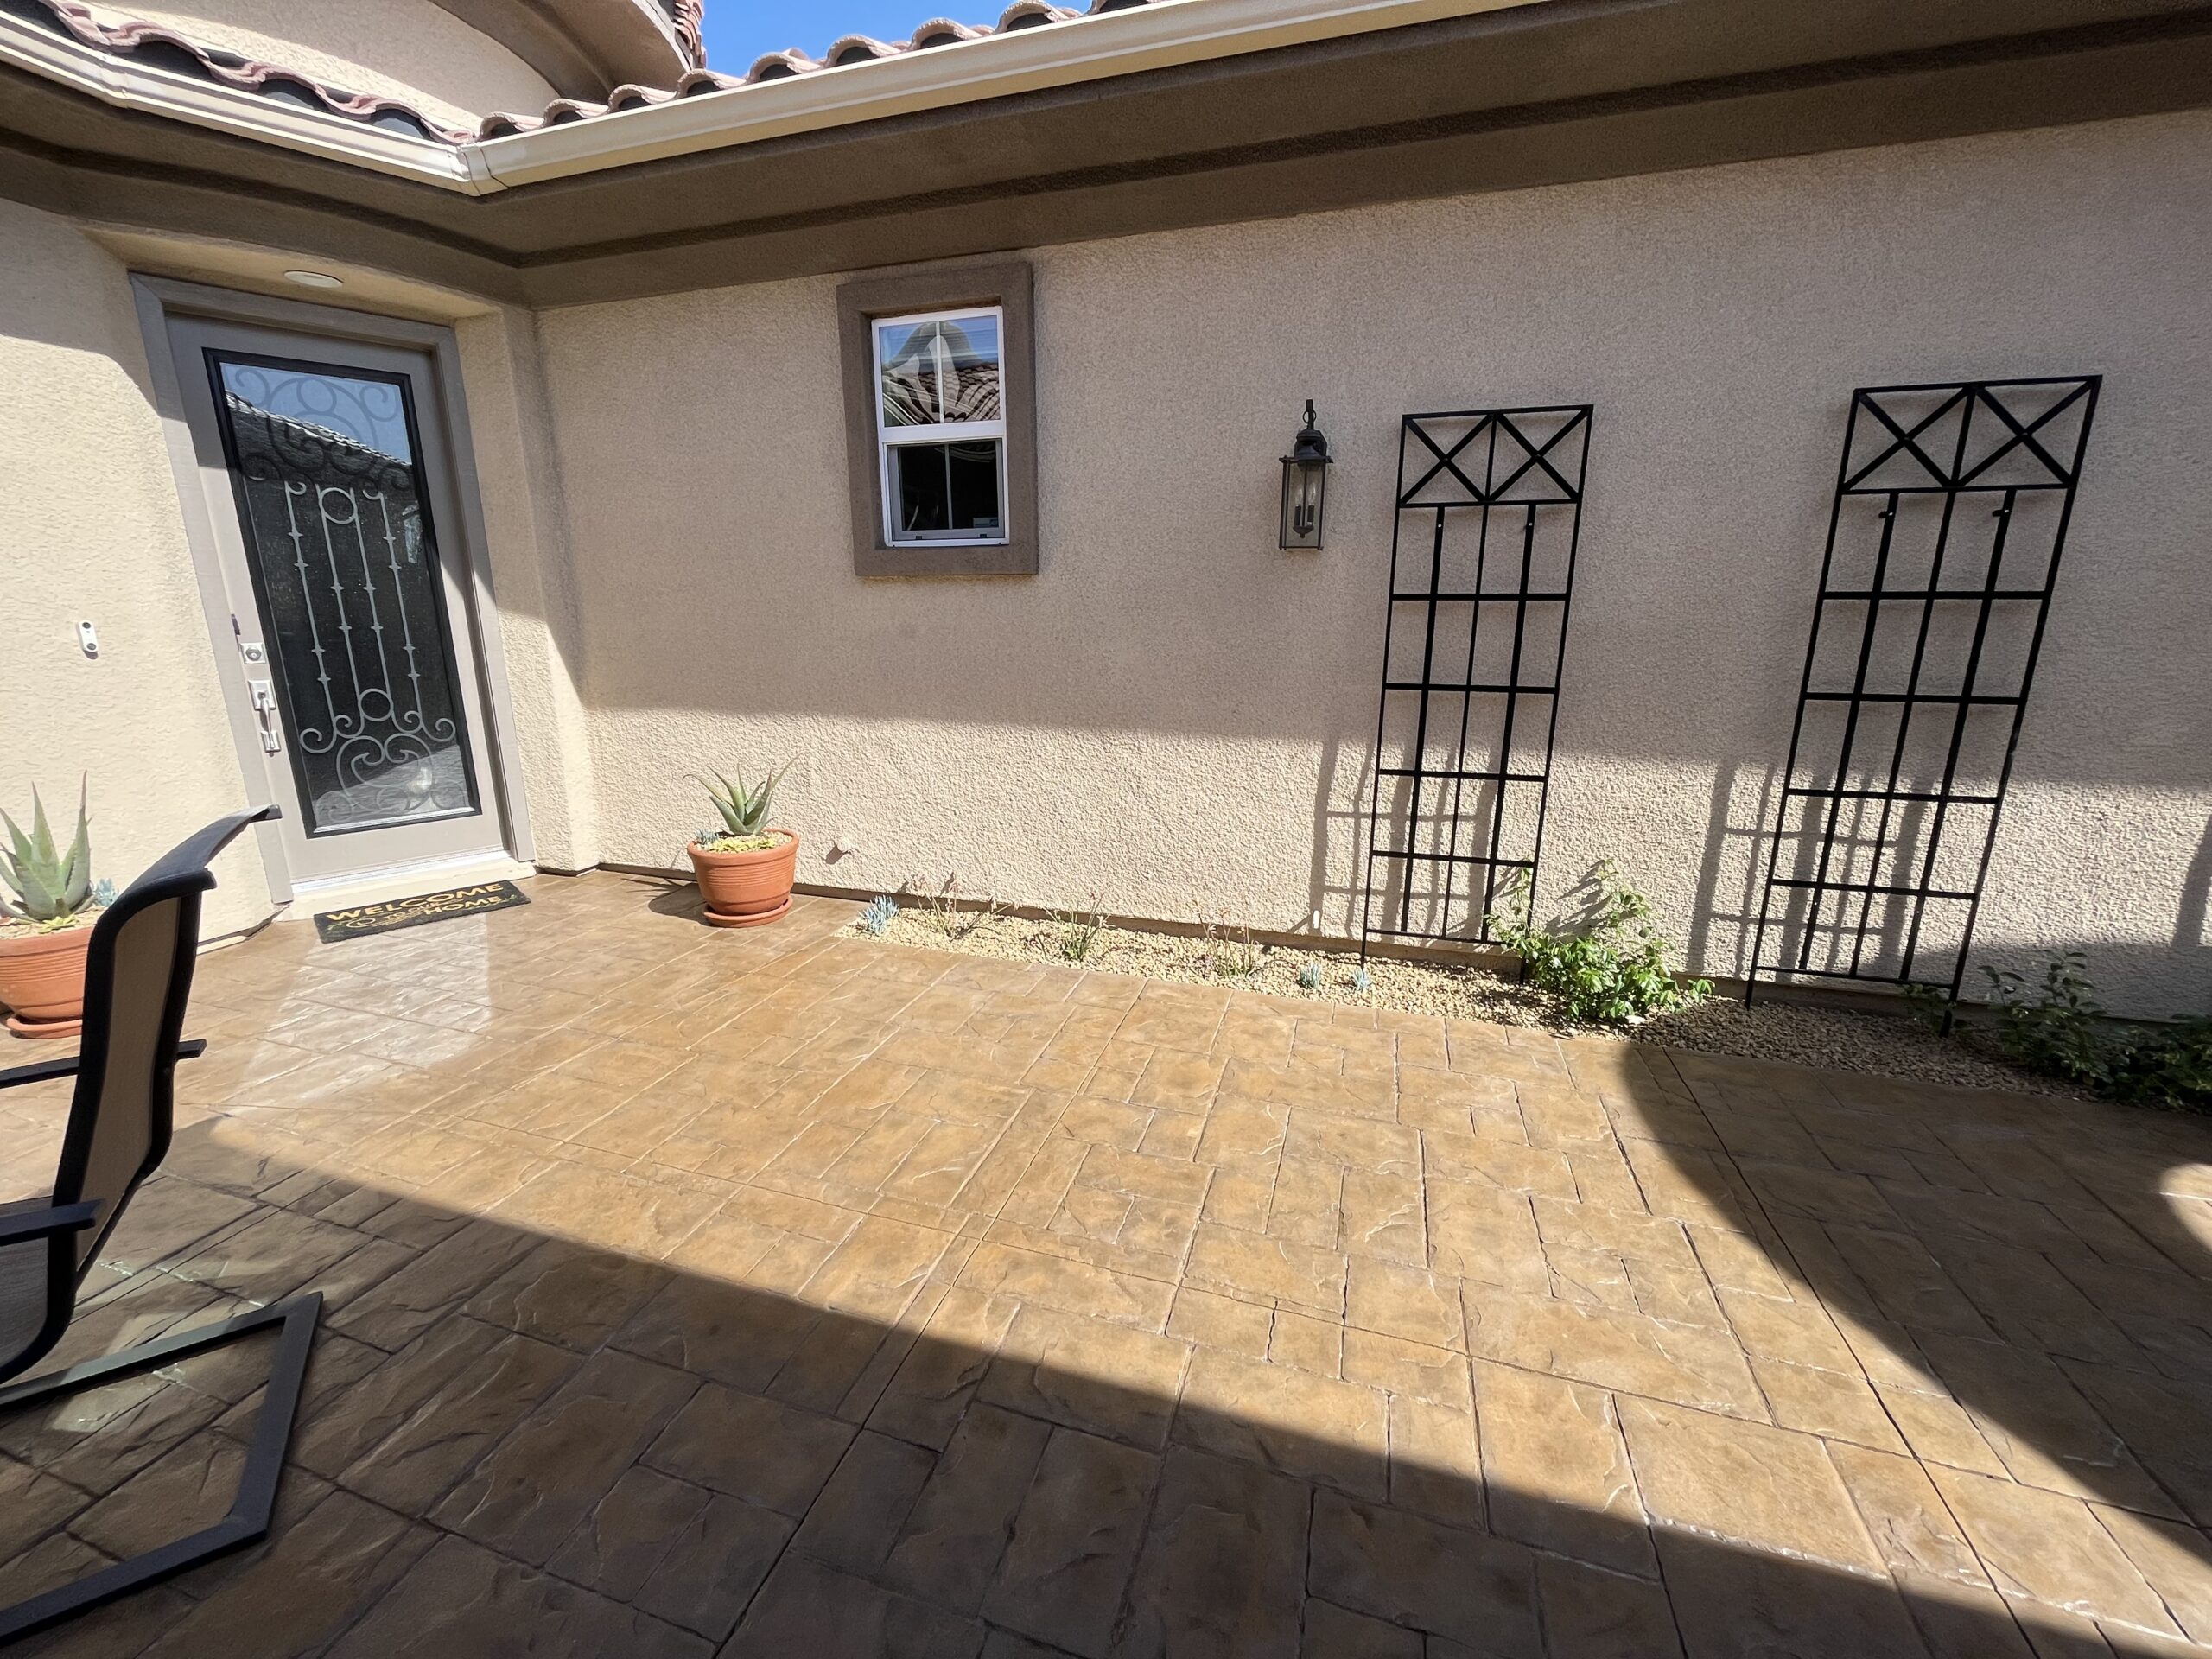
778	1293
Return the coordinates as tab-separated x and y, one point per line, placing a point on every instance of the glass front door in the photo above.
330	485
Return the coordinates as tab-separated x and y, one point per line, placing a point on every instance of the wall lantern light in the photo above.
1305	483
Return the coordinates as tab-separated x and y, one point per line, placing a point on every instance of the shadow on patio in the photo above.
745	1300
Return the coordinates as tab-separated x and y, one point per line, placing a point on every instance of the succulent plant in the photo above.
1362	980
745	809
51	886
876	919
1309	977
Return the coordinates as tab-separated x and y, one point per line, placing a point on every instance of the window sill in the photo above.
1017	557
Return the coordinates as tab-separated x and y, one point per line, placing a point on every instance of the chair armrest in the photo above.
39	1071
27	1224
47	1071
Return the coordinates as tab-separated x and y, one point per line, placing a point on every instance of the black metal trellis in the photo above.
1925	634
1473	647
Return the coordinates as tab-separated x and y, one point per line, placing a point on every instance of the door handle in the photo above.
264	693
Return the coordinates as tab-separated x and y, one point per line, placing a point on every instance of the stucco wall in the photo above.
90	530
412	50
1174	715
517	482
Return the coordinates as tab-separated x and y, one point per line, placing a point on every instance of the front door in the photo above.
329	483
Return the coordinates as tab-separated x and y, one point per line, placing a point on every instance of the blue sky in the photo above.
738	31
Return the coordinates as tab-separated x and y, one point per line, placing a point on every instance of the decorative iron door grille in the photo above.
1951	510
326	466
1481	569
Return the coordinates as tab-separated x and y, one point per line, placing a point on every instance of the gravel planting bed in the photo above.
1836	1038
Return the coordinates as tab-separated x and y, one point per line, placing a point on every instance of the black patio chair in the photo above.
137	977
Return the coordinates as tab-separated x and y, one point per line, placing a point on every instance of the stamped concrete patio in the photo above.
784	1294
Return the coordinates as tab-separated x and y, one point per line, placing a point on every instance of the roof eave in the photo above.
1160	35
147	89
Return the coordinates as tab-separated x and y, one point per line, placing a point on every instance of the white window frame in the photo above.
888	438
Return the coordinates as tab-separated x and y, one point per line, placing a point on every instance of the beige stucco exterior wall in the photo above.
1173	714
411	50
517	475
89	531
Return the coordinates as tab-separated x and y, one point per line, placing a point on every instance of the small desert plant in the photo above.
1077	930
1225	945
1240	957
744	812
1309	977
939	906
1608	969
947	910
51	887
1362	980
882	911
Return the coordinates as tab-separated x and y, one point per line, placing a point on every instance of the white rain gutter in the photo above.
1164	33
1157	36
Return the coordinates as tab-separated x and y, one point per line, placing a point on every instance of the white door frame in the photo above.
160	298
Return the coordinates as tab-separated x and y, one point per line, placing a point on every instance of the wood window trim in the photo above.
1006	283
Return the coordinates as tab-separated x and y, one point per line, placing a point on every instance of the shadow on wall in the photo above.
1737	831
2193	927
1337	887
1731	880
513	1442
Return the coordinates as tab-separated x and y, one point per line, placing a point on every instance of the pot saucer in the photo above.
714	918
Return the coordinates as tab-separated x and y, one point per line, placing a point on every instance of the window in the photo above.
941	427
941	422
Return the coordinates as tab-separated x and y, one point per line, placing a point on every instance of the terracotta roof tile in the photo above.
162	47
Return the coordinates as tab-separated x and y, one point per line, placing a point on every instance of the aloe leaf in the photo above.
42	831
23	852
76	869
721	798
42	896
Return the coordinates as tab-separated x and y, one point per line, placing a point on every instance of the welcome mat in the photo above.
364	919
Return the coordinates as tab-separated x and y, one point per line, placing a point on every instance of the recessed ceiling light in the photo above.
314	279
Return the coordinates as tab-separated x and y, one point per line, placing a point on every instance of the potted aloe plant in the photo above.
745	869
47	904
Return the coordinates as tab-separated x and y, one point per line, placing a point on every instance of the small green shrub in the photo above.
2173	1068
2058	1029
1609	967
1929	1006
1309	977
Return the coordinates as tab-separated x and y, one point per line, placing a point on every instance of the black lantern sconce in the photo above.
1305	484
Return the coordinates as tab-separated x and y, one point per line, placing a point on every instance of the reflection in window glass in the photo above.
941	372
941	427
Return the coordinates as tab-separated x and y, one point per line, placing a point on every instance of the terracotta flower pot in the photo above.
42	982
747	889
